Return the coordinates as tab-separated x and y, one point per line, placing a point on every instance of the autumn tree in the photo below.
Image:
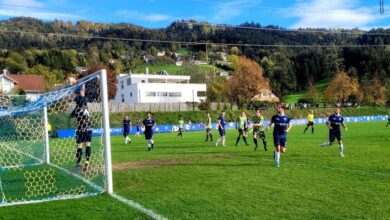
343	88
111	78
247	80
312	94
374	92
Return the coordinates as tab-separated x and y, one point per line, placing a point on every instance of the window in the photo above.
143	81
129	81
201	94
150	94
175	94
131	94
162	94
123	98
122	85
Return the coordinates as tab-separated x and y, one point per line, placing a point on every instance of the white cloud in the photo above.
37	14
332	14
230	9
25	3
32	8
152	17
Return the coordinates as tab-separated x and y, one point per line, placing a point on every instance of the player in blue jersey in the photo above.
138	129
149	125
335	121
282	125
126	129
221	125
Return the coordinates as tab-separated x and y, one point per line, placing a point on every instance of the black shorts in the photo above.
208	130
222	132
149	135
126	132
280	140
260	134
335	134
241	131
310	123
83	136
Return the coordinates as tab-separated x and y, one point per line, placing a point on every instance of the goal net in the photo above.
36	164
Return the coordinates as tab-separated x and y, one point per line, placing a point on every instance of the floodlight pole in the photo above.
106	130
47	145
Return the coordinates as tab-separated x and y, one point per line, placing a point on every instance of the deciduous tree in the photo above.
247	80
343	88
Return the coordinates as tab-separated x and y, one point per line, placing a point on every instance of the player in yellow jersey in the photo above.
310	122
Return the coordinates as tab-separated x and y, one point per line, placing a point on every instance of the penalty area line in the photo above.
138	206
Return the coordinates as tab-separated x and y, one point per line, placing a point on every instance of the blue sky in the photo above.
362	14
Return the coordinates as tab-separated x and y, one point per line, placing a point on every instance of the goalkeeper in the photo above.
84	128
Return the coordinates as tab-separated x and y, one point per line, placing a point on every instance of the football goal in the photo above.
37	164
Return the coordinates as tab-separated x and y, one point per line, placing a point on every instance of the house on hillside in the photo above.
33	85
149	58
6	83
157	88
266	95
161	54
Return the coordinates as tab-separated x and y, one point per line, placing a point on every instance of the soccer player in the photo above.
221	128
149	124
258	129
388	120
126	129
181	125
282	126
138	130
241	124
84	128
208	128
310	122
334	122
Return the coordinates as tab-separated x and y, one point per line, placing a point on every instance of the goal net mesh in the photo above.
38	164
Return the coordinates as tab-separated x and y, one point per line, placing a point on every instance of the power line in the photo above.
194	42
316	31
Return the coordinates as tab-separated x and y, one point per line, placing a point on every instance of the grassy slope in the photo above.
236	183
171	68
293	98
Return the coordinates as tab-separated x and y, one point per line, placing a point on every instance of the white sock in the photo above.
277	157
326	144
341	148
223	142
148	143
218	140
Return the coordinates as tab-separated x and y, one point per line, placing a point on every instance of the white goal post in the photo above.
58	146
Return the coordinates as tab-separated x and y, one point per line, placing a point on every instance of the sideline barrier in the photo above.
200	127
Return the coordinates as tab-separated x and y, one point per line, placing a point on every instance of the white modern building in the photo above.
153	88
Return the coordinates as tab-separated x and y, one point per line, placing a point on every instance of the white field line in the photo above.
130	203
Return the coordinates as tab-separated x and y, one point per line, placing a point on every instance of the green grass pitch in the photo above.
190	179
